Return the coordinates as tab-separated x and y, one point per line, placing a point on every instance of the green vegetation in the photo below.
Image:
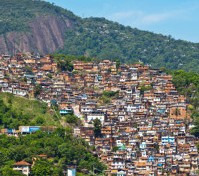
105	100
115	149
72	119
65	62
61	148
37	90
195	130
45	167
110	94
107	96
97	128
187	83
102	39
9	171
16	111
145	88
17	14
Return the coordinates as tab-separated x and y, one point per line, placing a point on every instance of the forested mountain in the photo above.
28	25
38	26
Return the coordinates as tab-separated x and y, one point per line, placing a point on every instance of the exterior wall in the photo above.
168	139
178	112
24	169
93	117
71	172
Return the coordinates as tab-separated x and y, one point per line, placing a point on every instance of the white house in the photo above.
23	167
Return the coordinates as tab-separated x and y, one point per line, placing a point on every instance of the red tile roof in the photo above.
22	163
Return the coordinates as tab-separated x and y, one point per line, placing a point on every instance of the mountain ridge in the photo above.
41	27
34	26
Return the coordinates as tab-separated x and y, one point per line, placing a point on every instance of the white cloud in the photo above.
155	18
128	14
142	18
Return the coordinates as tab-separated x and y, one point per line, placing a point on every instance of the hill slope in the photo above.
60	146
104	39
28	25
42	27
16	111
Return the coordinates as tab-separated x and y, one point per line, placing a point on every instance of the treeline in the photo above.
61	150
17	14
103	39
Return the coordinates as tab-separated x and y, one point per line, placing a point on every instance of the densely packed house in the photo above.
145	125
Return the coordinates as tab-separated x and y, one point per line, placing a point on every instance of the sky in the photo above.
178	18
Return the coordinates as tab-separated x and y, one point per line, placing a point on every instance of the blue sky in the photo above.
178	18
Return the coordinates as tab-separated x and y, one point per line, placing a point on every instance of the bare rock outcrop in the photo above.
45	35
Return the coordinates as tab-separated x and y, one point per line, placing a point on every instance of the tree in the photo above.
110	94
3	157
97	128
177	112
105	99
60	132
118	63
195	130
145	88
60	147
72	119
54	105
115	149
9	171
49	75
42	168
37	90
39	120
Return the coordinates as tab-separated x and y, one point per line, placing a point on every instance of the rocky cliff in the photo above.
40	27
45	35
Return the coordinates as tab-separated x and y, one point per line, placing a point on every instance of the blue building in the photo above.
167	140
151	159
29	129
66	111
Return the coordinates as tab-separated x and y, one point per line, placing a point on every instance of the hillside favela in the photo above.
92	97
